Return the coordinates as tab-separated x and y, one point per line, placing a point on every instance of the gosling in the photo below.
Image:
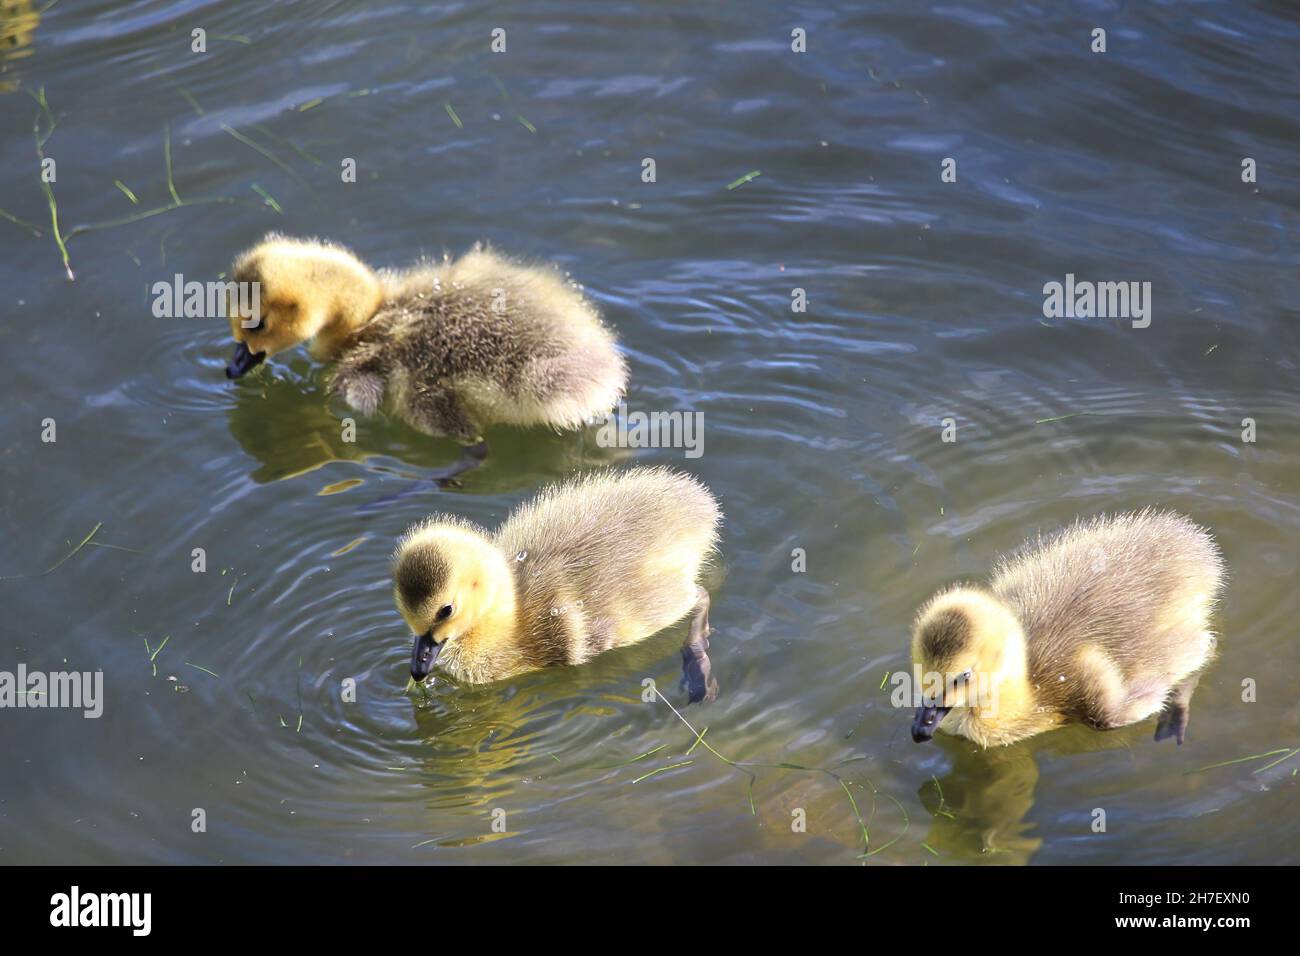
1105	623
596	562
449	347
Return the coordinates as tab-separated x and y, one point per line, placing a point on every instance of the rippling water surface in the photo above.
822	428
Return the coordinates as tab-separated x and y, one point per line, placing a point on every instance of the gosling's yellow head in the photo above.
449	580
966	644
290	290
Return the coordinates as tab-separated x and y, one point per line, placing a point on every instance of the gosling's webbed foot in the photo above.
471	457
697	669
446	479
697	674
1173	719
1173	722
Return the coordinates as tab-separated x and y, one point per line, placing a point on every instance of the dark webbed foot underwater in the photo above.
1177	712
444	479
697	669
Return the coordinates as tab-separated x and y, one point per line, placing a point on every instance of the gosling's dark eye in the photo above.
444	612
961	678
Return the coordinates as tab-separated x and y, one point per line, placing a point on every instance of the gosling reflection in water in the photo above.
979	806
290	427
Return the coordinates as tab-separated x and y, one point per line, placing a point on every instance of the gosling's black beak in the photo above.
243	361
927	720
423	654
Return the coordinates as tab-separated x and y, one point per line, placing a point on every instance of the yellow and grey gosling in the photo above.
450	347
599	561
1105	623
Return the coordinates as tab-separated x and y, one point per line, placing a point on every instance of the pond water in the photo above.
823	428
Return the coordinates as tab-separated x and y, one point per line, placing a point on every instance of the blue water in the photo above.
822	428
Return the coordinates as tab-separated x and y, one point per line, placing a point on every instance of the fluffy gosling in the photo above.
1105	623
596	562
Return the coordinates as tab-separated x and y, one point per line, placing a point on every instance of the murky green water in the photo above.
822	428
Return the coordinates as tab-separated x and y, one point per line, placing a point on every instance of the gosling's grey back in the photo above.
607	555
461	343
1117	582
